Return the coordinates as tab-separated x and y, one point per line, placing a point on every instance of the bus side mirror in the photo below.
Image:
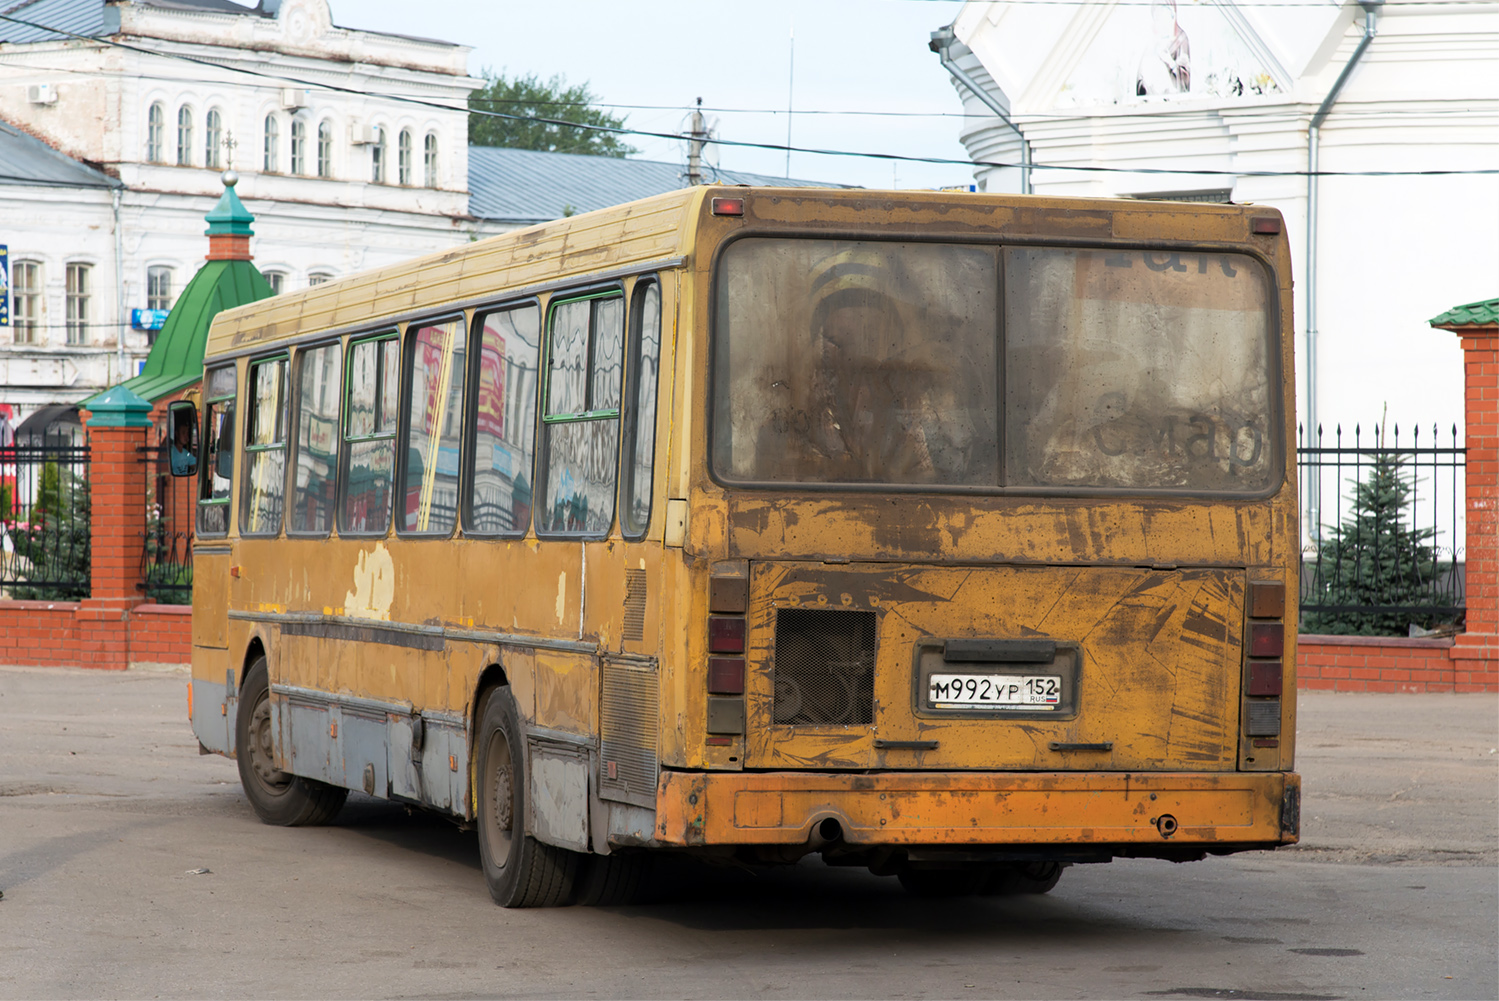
182	424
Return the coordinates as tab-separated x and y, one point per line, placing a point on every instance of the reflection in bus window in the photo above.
505	421
265	449
585	364
856	362
435	428
216	473
369	435
317	439
1137	369
640	433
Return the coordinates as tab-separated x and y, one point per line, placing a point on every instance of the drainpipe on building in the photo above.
120	323
1313	147
941	43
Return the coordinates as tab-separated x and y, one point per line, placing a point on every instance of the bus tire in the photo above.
612	880
1023	877
277	797
520	871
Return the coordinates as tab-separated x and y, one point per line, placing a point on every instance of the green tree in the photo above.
529	97
1373	558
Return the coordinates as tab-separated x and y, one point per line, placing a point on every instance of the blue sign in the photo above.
4	285
149	319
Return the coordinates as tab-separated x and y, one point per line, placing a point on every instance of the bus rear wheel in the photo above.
520	871
276	797
1023	877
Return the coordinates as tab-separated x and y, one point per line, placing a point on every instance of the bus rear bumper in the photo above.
988	808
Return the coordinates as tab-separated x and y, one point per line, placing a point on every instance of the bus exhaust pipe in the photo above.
825	832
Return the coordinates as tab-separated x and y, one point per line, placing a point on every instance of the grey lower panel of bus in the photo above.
385	749
215	709
393	752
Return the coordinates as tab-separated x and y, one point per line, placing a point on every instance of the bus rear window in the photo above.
862	362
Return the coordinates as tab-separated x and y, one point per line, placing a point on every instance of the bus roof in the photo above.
622	238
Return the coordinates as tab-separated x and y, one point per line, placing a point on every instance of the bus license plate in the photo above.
999	691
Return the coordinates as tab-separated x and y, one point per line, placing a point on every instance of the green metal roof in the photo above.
176	359
1475	314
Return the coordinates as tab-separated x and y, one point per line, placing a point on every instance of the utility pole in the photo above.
695	138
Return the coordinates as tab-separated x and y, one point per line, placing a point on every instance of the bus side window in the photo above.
637	458
369	453
265	449
216	471
435	427
505	386
318	381
585	355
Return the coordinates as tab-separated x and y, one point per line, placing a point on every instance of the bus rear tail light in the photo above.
728	600
725	675
1267	639
728	206
725	635
1264	677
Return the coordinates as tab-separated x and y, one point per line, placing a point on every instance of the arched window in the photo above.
159	288
26	299
156	133
403	157
272	144
318	278
429	159
275	279
325	150
184	136
377	157
213	137
298	146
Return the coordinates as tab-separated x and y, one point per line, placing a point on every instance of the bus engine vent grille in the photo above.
824	667
627	732
634	622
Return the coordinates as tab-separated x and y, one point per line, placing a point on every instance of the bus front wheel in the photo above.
520	871
276	797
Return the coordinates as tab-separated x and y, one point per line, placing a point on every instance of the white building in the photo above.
1233	89
352	148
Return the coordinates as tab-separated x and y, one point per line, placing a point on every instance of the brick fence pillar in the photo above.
118	426
1477	324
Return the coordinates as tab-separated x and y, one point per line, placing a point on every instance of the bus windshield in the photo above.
962	366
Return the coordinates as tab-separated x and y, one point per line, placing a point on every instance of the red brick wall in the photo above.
72	634
1389	664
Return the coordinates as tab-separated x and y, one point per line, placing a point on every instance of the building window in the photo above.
377	157
403	157
275	279
272	144
184	136
325	150
156	132
298	146
26	295
159	288
318	278
78	292
213	137
429	159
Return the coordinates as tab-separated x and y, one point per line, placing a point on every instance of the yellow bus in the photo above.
946	535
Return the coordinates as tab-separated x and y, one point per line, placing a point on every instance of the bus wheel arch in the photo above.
279	798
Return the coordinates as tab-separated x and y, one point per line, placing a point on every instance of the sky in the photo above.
850	56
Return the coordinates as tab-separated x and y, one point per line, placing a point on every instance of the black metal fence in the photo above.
44	522
1383	531
167	557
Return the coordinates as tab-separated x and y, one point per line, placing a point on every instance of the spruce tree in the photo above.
1374	559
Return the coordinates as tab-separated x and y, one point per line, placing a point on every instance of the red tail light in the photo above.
1267	639
725	635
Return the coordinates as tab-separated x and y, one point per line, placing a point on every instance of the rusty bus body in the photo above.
937	533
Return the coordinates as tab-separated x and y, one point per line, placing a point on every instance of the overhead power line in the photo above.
748	144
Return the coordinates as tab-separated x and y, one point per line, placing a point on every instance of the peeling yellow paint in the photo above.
561	596
374	585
